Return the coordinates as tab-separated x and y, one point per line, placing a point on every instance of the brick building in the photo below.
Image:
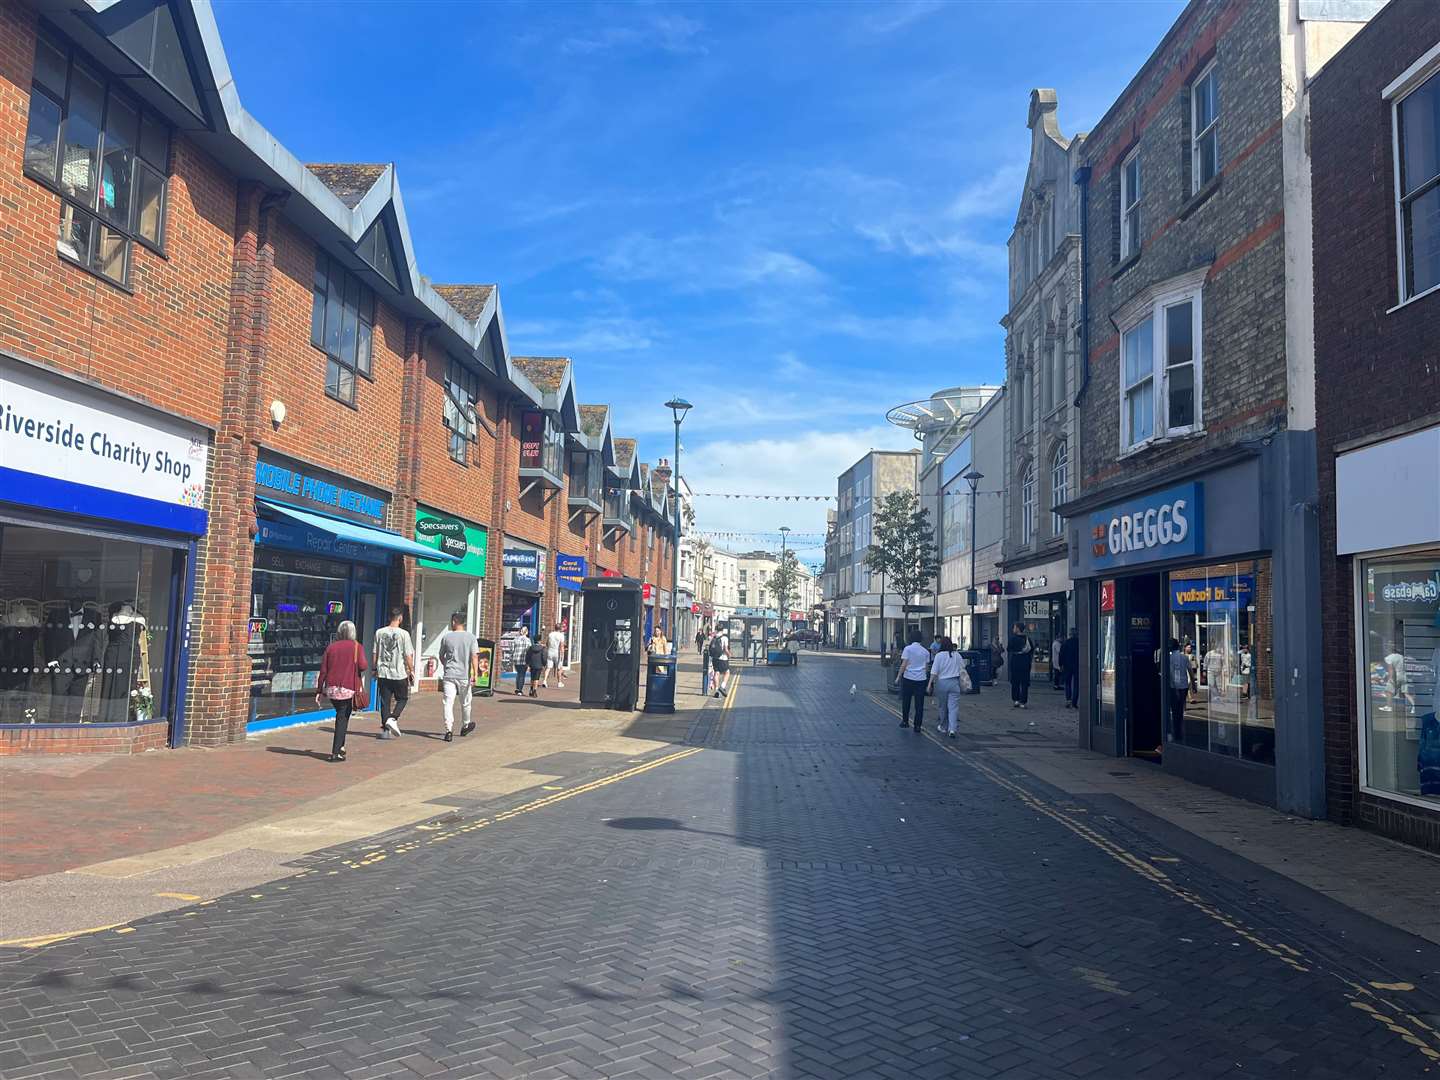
235	414
1196	405
1374	130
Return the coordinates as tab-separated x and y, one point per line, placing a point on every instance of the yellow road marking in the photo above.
730	694
126	930
176	896
48	939
1284	953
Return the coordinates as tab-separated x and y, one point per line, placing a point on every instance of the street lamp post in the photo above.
678	407
973	478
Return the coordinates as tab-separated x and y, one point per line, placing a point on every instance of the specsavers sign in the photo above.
1159	526
452	536
69	447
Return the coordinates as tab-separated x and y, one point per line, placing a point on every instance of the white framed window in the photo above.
1161	363
1204	128
1059	485
1416	124
1130	204
1027	505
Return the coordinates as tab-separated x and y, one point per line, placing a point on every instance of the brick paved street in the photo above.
804	890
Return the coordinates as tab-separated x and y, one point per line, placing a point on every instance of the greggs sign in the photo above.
1162	525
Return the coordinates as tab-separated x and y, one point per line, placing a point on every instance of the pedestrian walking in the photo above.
535	659
1070	668
394	655
342	680
997	658
554	653
700	643
912	675
1177	682
1021	654
519	646
459	668
659	644
1055	647
948	680
720	662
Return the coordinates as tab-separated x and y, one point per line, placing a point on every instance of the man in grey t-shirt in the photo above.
459	661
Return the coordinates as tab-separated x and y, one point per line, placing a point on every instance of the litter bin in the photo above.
660	684
978	661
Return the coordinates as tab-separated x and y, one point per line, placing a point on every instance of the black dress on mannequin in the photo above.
72	649
119	665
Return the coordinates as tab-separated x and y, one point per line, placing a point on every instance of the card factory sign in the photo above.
1159	526
69	447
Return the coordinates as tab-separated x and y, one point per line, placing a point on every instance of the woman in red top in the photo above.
341	678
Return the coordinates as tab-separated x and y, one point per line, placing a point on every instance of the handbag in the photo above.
361	701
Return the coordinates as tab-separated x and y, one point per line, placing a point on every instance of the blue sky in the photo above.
794	215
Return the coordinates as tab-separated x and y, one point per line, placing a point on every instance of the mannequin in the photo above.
19	658
72	653
120	670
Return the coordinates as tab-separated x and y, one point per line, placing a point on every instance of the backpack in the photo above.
535	655
717	648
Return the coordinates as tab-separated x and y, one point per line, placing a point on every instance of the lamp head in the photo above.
973	477
678	407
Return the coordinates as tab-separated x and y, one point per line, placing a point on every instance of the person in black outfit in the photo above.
1020	652
1070	668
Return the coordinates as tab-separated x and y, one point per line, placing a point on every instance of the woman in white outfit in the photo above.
948	680
554	652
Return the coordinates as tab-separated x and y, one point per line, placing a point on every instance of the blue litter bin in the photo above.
660	684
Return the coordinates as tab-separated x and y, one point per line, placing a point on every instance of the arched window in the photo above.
1059	485
1027	505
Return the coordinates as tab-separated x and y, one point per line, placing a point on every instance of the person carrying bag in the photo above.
342	681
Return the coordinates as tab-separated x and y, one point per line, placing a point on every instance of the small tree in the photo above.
784	582
903	549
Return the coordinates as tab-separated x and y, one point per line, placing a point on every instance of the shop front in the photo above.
570	574
101	504
1388	525
1039	598
1199	563
524	592
322	557
444	587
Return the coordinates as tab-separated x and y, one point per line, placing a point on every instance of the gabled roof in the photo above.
334	204
546	372
349	182
553	377
469	300
627	463
595	427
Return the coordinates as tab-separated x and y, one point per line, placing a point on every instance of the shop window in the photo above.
85	627
102	154
462	390
1204	128
1130	205
1220	615
1399	613
294	616
1105	657
1417	194
342	318
1059	486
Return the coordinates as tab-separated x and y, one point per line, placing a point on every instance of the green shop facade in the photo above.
453	582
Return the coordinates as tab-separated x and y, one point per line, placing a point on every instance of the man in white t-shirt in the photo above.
554	652
912	676
394	656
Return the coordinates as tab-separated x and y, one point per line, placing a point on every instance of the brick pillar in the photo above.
408	464
219	692
495	557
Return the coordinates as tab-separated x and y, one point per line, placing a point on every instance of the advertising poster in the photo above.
485	664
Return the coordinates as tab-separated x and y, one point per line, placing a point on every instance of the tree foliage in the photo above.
784	583
903	548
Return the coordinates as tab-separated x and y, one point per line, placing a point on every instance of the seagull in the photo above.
852	690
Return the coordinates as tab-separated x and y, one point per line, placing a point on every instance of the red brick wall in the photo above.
85	739
1375	369
163	342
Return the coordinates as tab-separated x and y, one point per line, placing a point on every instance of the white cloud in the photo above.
663	31
896	15
584	334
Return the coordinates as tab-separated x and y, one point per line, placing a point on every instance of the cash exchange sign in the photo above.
1159	526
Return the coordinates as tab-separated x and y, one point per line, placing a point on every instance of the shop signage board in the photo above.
484	667
532	437
524	567
1038	581
68	447
293	536
1199	594
453	536
1162	525
327	493
570	571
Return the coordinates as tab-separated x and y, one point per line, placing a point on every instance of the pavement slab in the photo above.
794	888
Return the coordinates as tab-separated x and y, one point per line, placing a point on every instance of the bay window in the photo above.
102	154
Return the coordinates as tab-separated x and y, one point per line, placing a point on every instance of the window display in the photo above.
85	627
1400	639
1221	617
1105	714
296	603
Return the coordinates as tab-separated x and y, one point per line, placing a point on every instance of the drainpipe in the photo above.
1082	180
